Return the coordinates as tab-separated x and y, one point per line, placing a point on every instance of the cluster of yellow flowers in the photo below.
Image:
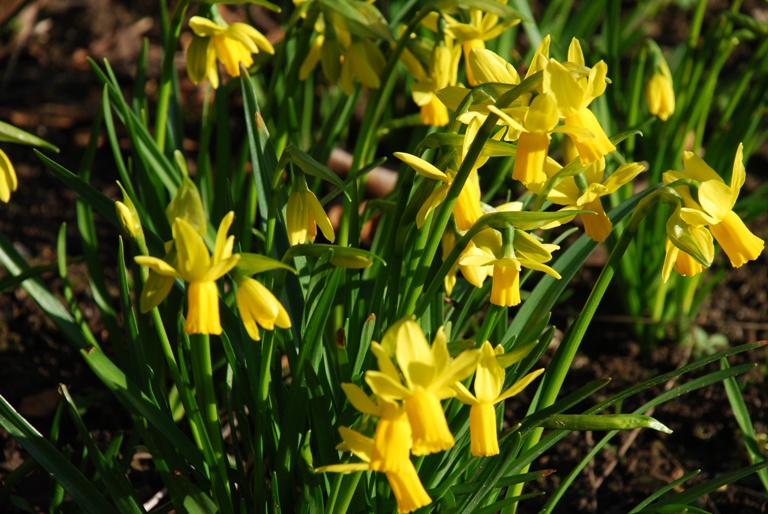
345	46
413	378
565	94
187	257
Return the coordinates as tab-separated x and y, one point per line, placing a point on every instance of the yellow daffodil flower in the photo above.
489	381
406	485
8	180
364	61
714	207
347	46
467	208
443	64
568	193
303	215
688	249
507	263
197	267
487	68
480	245
660	92
447	242
429	373
231	44
259	307
573	95
393	438
681	261
481	27
539	120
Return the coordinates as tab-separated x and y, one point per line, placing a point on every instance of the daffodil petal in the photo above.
559	82
433	200
421	166
489	377
193	258
520	385
360	400
351	467
385	386
715	198
697	169
159	266
204	27
489	67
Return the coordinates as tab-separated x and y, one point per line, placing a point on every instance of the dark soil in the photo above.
47	88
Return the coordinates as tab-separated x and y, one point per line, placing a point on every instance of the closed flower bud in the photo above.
659	93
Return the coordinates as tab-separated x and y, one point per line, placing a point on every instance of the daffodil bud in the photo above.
8	180
304	214
129	217
125	216
660	93
344	258
188	206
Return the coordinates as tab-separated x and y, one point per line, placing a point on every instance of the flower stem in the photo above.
202	370
561	362
166	73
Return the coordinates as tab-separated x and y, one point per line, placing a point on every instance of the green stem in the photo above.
380	99
166	73
561	363
345	492
446	209
202	369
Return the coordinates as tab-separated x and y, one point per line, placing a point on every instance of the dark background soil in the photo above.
47	88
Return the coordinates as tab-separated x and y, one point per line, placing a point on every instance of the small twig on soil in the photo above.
634	433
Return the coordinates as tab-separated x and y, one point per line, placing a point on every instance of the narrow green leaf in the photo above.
11	134
489	6
253	263
697	491
603	422
741	413
311	167
345	257
81	489
117	485
194	500
664	490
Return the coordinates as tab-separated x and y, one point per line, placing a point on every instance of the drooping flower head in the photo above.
508	259
196	266
231	44
568	193
573	93
467	208
660	91
713	206
406	485
346	46
428	373
480	27
259	307
441	73
304	214
489	381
